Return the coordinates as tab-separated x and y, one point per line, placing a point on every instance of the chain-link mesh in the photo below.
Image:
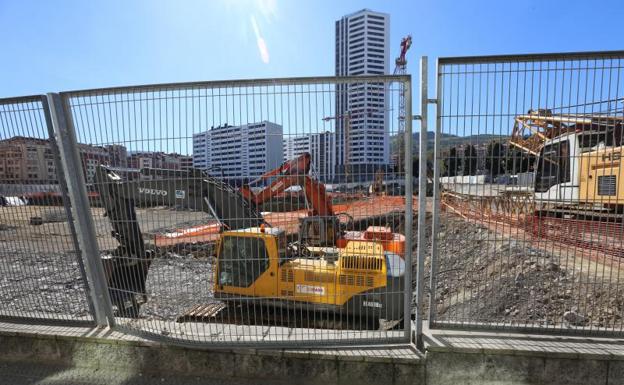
529	228
41	275
251	211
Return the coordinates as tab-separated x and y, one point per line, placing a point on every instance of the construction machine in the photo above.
310	280
322	226
578	171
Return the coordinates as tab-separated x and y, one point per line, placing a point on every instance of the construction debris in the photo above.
485	276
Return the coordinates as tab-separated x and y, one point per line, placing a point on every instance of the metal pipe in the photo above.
409	180
422	196
70	160
436	199
238	84
66	200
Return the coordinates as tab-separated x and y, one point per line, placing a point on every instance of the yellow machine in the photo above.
602	178
580	173
256	266
257	272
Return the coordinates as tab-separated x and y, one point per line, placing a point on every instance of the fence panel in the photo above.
529	201
207	247
41	274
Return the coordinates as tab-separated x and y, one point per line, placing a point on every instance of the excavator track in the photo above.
263	315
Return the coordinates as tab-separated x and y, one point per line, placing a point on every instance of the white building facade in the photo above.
362	133
322	148
239	152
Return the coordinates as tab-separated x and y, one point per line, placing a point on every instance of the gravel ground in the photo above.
175	284
484	276
50	284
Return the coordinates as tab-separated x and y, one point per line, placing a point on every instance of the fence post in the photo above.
422	197
71	164
435	223
62	180
409	181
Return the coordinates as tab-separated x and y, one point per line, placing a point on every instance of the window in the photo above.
242	260
553	167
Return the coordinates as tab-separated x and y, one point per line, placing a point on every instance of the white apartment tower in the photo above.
239	152
362	48
322	148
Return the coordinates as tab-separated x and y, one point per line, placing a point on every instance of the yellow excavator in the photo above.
259	276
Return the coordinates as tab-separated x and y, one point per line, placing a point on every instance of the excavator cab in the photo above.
318	231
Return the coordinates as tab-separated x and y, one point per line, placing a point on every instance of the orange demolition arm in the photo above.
293	172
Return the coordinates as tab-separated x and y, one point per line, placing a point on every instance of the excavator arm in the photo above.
293	173
322	227
128	266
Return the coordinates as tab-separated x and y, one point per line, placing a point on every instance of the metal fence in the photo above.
41	275
527	224
280	211
240	212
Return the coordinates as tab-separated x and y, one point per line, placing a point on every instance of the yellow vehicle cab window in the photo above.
242	260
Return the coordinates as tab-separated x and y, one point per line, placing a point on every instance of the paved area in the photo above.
518	343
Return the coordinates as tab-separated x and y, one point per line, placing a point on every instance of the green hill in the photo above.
447	140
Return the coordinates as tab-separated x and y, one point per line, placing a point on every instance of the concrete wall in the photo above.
131	360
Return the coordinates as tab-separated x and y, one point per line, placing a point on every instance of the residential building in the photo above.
186	162
92	156
239	152
295	146
322	148
158	159
27	160
362	132
31	160
118	155
201	149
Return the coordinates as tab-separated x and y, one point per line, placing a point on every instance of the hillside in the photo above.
448	140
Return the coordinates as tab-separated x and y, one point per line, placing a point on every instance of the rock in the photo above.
551	266
573	318
519	279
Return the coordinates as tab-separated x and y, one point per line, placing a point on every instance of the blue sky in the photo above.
65	45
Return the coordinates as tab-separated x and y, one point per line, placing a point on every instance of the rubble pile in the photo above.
486	277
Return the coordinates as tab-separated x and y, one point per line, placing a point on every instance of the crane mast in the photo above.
401	69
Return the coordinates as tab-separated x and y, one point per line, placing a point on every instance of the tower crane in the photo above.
401	69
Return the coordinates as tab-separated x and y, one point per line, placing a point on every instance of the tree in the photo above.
470	160
519	161
415	166
494	159
452	163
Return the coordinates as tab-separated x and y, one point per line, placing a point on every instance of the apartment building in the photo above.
362	48
239	152
322	148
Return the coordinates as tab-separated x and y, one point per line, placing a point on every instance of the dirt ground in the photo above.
39	271
484	275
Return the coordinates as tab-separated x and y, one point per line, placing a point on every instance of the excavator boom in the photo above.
292	173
